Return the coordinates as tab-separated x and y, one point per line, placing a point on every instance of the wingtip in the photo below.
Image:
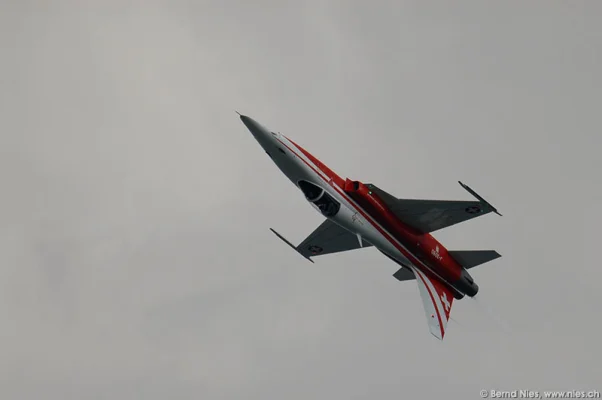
481	199
438	335
291	245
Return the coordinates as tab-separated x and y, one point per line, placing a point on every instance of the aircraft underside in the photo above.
362	215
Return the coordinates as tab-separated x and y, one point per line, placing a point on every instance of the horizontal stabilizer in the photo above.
472	258
404	274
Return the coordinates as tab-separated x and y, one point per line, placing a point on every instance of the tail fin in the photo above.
437	300
472	258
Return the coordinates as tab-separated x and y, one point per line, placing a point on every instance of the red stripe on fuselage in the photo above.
332	175
425	244
327	171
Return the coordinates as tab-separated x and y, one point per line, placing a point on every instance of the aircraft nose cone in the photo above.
249	123
254	127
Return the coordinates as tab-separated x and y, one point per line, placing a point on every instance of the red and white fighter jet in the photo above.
363	215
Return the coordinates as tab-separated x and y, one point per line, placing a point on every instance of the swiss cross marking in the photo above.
445	301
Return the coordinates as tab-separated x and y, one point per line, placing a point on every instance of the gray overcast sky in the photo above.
135	255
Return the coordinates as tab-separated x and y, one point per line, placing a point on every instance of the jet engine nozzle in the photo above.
466	284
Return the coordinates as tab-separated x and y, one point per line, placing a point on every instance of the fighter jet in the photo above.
362	215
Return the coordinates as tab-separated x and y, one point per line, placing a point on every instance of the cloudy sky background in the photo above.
135	255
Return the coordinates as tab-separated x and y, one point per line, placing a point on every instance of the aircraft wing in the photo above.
327	238
431	215
437	300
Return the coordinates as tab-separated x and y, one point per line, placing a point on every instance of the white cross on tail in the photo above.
445	301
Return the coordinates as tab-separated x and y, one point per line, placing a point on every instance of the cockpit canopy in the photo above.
318	196
311	191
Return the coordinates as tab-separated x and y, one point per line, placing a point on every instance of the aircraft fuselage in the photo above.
353	206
